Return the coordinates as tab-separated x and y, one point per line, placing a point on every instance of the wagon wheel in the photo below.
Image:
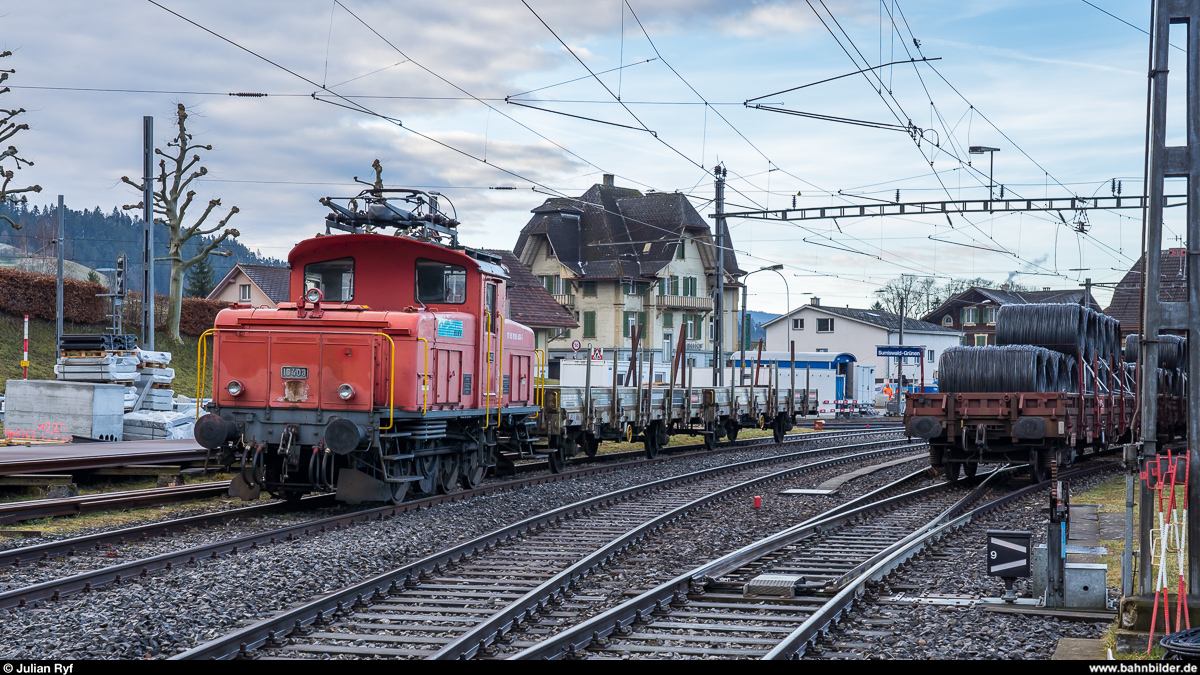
952	468
777	431
399	492
591	445
651	441
970	469
731	430
428	469
556	461
1037	472
567	445
448	473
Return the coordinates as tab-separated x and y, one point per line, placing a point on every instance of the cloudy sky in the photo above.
1057	86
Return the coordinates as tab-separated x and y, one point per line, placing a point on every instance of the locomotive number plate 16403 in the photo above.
293	373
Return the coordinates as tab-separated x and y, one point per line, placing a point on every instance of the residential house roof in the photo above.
1000	296
272	280
1126	305
529	302
875	317
619	233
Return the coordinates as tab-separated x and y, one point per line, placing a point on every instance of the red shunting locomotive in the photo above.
394	366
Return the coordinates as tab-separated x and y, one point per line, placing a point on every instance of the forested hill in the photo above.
95	238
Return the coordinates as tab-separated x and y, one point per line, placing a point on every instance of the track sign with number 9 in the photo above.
1008	553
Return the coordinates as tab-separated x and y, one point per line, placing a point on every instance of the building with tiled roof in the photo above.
818	328
617	258
1126	305
530	303
973	311
255	285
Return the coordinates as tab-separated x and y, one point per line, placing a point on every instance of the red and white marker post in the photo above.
25	358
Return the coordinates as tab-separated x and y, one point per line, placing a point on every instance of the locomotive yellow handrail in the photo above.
392	384
499	358
539	387
202	348
425	381
487	369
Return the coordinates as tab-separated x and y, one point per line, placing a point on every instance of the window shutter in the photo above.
589	324
662	286
668	320
641	317
675	285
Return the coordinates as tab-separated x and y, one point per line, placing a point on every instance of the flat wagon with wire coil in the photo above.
1055	387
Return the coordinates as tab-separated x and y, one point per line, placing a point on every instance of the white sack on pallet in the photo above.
107	359
146	356
158	420
160	375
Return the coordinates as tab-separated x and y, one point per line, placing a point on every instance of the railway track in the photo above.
453	602
707	612
97	578
33	509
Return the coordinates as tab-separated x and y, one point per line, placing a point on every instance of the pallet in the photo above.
150	364
161	385
83	353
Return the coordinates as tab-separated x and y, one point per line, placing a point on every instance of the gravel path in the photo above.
172	612
957	567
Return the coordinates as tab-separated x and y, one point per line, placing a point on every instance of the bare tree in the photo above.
176	171
918	293
10	161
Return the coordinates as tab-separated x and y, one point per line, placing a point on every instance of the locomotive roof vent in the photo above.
414	213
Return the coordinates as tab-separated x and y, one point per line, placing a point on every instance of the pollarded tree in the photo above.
10	161
172	199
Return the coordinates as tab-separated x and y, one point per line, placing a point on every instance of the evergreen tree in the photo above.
201	279
93	277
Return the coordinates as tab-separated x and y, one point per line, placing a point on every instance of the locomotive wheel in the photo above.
952	468
448	473
428	466
399	492
472	471
556	461
591	445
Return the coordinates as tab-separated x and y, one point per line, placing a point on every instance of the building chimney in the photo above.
814	301
1004	287
608	180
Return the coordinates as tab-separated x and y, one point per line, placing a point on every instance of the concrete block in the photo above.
58	409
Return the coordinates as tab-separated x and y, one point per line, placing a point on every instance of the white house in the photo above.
816	328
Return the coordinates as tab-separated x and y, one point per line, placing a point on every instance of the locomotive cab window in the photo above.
441	283
335	278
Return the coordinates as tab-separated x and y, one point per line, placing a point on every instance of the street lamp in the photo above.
743	332
979	150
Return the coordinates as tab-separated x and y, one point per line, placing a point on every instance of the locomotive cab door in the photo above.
490	389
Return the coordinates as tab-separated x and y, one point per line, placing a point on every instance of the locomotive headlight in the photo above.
346	392
313	295
234	388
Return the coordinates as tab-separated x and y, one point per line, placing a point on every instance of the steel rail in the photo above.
485	633
301	617
56	588
795	644
72	506
567	643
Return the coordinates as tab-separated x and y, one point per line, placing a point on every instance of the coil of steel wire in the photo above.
1008	368
1172	351
1064	328
1182	646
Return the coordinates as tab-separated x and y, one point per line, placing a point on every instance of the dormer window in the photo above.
947	320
